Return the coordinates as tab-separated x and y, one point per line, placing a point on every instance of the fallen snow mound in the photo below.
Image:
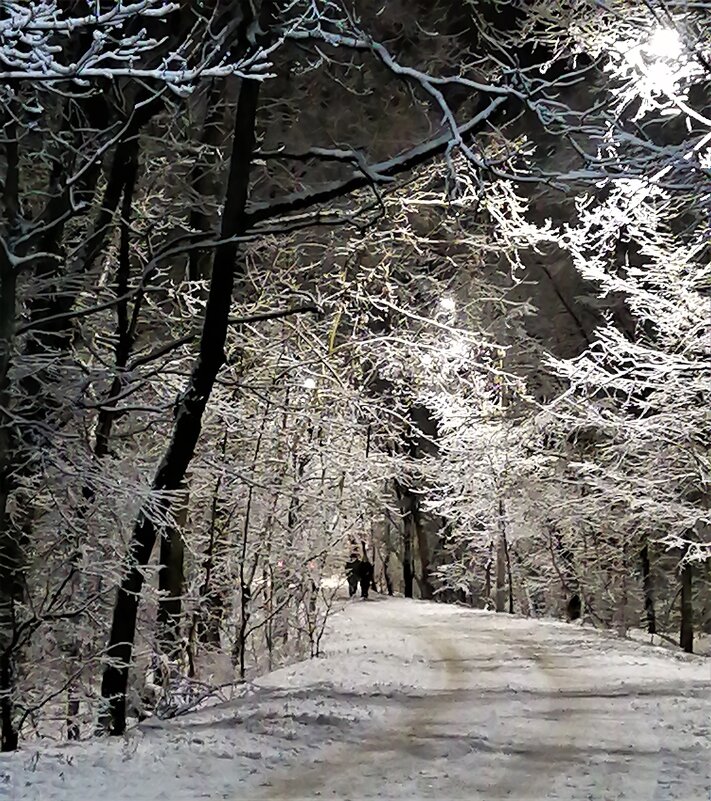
412	701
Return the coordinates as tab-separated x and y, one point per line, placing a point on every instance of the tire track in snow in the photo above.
414	734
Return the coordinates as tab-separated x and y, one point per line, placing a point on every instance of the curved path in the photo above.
419	701
455	704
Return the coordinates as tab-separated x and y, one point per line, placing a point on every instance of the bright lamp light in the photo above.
665	43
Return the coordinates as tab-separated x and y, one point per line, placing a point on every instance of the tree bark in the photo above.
189	411
506	555
387	577
423	548
509	574
620	614
170	582
500	575
487	574
648	586
408	572
203	182
124	328
10	556
408	507
686	633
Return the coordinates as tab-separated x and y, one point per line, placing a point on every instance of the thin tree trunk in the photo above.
408	572
126	321
73	704
170	583
648	585
509	574
621	611
189	413
202	181
686	633
387	577
487	574
423	548
500	575
507	555
207	618
246	577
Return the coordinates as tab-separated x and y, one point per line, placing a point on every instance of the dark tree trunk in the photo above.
10	736
10	556
246	577
409	509
487	574
423	548
648	585
73	731
189	412
408	573
208	617
504	546
387	577
509	574
48	313
126	162
686	633
170	583
203	181
500	576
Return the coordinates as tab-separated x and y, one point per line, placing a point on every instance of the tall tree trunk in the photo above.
10	557
509	573
648	586
208	616
246	577
487	574
409	510
203	181
506	555
686	633
121	184
170	582
10	735
620	613
48	315
500	575
190	410
408	573
423	548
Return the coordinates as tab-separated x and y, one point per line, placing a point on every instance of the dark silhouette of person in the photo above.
574	608
353	573
365	576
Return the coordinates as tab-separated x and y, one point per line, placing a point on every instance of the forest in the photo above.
286	280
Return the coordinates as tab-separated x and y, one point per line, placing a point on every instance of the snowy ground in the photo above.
419	701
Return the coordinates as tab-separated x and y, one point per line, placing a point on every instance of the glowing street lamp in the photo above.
448	304
309	383
665	43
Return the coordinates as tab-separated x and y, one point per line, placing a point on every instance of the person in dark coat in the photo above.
574	608
353	573
365	576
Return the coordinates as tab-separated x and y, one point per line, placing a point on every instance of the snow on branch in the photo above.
41	41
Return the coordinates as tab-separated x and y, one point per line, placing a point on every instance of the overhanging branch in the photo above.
380	173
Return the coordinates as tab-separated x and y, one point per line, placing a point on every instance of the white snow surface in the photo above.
417	700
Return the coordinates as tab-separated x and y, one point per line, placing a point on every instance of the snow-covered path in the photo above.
415	701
